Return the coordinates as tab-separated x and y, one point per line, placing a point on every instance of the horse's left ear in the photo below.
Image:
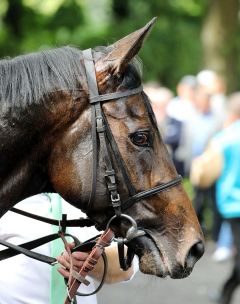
124	50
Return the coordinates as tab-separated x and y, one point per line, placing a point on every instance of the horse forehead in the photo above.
132	106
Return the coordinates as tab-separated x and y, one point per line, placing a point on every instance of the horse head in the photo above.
145	178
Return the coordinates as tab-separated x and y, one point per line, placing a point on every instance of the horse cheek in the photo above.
61	171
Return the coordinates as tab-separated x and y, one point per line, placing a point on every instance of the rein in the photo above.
26	248
87	246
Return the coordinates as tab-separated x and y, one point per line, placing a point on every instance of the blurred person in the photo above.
28	281
200	126
170	127
216	87
182	106
179	110
197	132
224	249
160	98
220	163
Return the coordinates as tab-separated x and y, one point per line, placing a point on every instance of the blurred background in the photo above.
188	35
191	63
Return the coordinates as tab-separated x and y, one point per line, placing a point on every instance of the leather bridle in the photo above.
103	138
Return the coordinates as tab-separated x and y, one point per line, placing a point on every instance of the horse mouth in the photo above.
152	261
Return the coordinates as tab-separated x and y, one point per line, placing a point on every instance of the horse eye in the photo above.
141	138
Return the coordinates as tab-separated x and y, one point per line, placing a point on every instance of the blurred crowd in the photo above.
201	128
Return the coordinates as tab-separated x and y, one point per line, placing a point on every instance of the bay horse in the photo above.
78	123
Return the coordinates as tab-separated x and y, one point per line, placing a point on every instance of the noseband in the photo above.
102	137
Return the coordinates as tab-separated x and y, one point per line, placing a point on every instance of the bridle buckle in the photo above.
116	202
100	127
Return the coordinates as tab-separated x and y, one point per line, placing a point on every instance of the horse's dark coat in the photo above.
46	145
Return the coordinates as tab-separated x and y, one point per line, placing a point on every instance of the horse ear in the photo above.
125	49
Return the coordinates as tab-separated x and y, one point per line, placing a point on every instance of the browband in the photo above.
115	95
94	96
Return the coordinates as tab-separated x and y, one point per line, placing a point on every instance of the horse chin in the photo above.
152	261
150	257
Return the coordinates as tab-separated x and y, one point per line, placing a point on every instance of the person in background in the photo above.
28	281
197	131
179	111
169	126
221	231
224	243
220	164
160	98
217	88
200	126
182	106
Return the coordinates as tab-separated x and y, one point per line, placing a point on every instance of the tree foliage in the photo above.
173	49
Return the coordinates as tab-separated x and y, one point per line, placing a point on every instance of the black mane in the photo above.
26	79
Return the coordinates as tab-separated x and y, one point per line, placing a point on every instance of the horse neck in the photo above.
26	136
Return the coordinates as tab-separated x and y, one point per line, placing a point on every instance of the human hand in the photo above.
78	258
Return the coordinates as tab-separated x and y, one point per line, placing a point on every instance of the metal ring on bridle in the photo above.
131	233
129	218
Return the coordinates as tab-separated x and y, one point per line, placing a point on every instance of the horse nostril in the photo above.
197	250
194	254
